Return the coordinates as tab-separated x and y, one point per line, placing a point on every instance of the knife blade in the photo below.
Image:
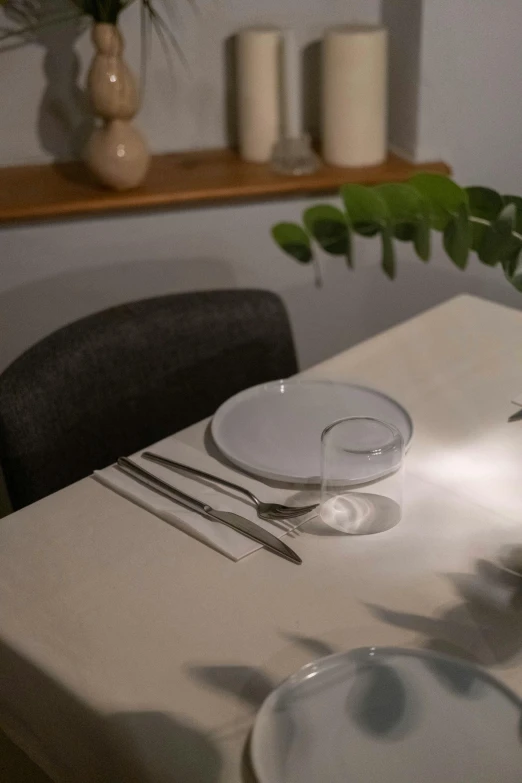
235	521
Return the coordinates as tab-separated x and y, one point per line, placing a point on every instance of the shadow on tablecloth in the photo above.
484	627
72	742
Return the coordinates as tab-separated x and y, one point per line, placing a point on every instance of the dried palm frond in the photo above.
26	17
29	16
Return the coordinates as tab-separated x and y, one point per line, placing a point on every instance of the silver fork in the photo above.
270	511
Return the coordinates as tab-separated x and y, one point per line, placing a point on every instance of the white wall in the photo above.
471	91
404	21
53	273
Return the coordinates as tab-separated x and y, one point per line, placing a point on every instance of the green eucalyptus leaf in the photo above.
419	233
499	242
444	197
409	213
402	201
485	205
510	251
367	229
366	209
513	271
404	232
516	281
388	254
484	202
422	241
294	241
458	237
329	227
515	245
511	261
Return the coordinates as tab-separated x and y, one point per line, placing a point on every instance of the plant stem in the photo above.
484	222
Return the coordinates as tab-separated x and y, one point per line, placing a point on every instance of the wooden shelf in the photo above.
65	190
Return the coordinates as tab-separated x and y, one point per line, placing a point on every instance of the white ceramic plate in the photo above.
400	716
274	430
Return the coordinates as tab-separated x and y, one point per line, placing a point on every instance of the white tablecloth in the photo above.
130	651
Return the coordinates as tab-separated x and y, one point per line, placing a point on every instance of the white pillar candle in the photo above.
258	99
355	95
291	86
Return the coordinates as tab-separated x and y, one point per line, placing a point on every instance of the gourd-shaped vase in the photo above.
116	151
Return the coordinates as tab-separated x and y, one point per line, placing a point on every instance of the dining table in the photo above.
131	651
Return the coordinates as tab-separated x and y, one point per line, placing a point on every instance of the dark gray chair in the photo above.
119	380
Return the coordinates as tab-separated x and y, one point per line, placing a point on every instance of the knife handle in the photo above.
153	482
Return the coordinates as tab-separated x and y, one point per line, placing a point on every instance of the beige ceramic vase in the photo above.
116	152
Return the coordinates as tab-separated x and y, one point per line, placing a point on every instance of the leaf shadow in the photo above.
484	628
317	647
247	683
251	684
380	703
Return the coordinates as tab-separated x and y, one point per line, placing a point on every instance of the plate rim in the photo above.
368	654
218	416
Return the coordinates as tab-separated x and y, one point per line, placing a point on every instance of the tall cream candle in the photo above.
291	86
355	87
258	99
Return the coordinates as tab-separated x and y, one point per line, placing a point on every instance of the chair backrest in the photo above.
117	381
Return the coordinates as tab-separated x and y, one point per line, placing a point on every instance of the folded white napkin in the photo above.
231	543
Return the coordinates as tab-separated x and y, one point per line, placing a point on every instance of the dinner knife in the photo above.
236	522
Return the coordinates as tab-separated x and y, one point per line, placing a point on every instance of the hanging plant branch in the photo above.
471	220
